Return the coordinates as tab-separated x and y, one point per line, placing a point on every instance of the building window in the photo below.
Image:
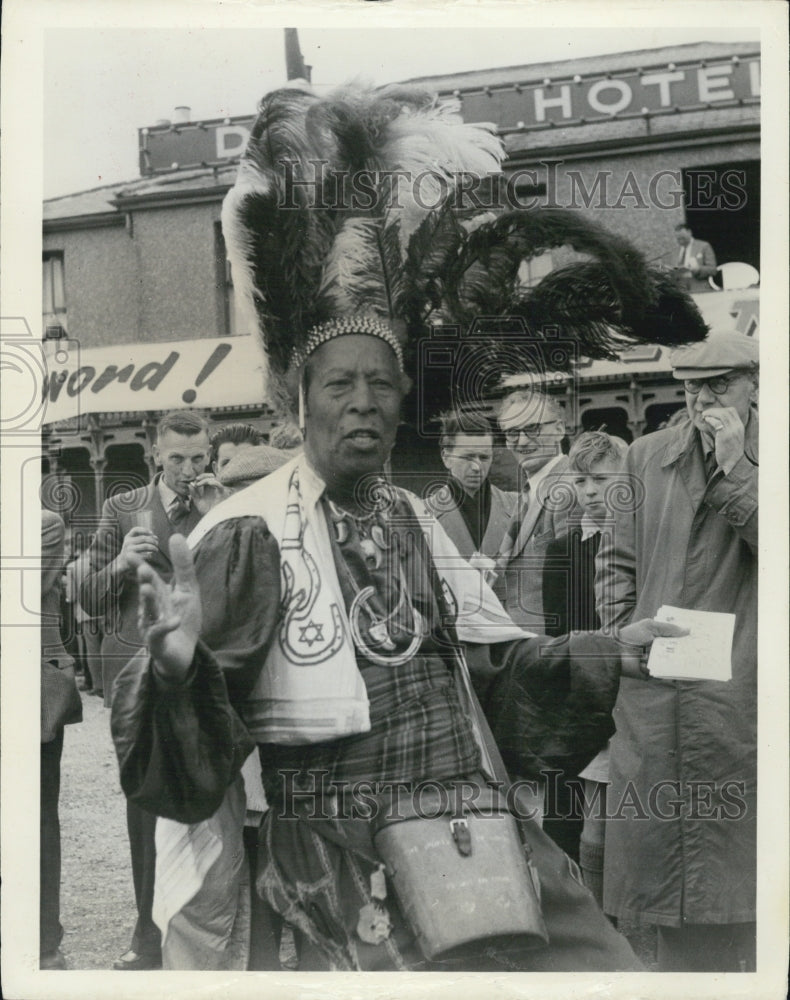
225	283
54	297
722	203
613	420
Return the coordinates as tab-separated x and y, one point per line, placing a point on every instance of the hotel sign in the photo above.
196	144
532	105
630	93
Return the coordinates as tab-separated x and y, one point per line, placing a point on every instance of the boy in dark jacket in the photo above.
595	465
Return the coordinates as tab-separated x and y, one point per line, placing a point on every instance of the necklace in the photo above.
377	630
377	645
341	513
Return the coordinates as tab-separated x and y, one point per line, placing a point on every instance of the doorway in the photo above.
723	208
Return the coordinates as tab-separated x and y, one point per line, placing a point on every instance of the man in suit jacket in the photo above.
534	428
696	260
135	527
473	512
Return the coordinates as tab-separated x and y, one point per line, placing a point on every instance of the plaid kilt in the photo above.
418	731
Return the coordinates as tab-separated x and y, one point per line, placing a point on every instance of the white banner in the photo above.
205	373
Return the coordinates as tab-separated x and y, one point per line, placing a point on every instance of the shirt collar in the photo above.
589	527
166	495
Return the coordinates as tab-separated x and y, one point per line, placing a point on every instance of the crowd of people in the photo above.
586	549
300	656
98	598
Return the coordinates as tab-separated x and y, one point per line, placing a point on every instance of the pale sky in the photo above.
100	86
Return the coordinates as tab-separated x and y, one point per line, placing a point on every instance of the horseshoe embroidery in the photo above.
304	638
378	632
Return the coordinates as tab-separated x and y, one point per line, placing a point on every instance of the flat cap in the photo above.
720	352
53	531
252	463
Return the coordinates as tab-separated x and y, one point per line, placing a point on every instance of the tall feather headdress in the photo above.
345	216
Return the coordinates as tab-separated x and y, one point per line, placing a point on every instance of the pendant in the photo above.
362	642
377	534
372	553
378	884
379	634
374	924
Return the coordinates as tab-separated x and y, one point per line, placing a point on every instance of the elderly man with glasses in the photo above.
534	427
689	540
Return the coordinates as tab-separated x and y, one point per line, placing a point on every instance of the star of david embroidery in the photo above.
311	632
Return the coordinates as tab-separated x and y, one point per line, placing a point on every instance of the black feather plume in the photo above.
484	277
603	305
306	252
432	251
671	316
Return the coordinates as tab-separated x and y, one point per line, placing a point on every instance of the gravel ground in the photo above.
97	906
97	896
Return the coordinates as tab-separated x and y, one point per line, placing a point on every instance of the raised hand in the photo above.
169	616
633	662
207	491
138	544
728	433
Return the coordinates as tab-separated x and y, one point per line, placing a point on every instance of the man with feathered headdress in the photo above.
323	612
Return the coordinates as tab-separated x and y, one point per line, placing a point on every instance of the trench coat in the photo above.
680	852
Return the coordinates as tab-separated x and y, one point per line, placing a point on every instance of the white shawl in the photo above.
310	689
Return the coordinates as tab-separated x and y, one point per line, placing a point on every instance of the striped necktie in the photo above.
180	509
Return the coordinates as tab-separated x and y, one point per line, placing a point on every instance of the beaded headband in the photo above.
357	323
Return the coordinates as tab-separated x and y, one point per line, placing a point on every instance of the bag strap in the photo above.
489	751
492	758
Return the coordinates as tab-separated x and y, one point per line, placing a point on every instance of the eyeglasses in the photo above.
718	385
531	431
